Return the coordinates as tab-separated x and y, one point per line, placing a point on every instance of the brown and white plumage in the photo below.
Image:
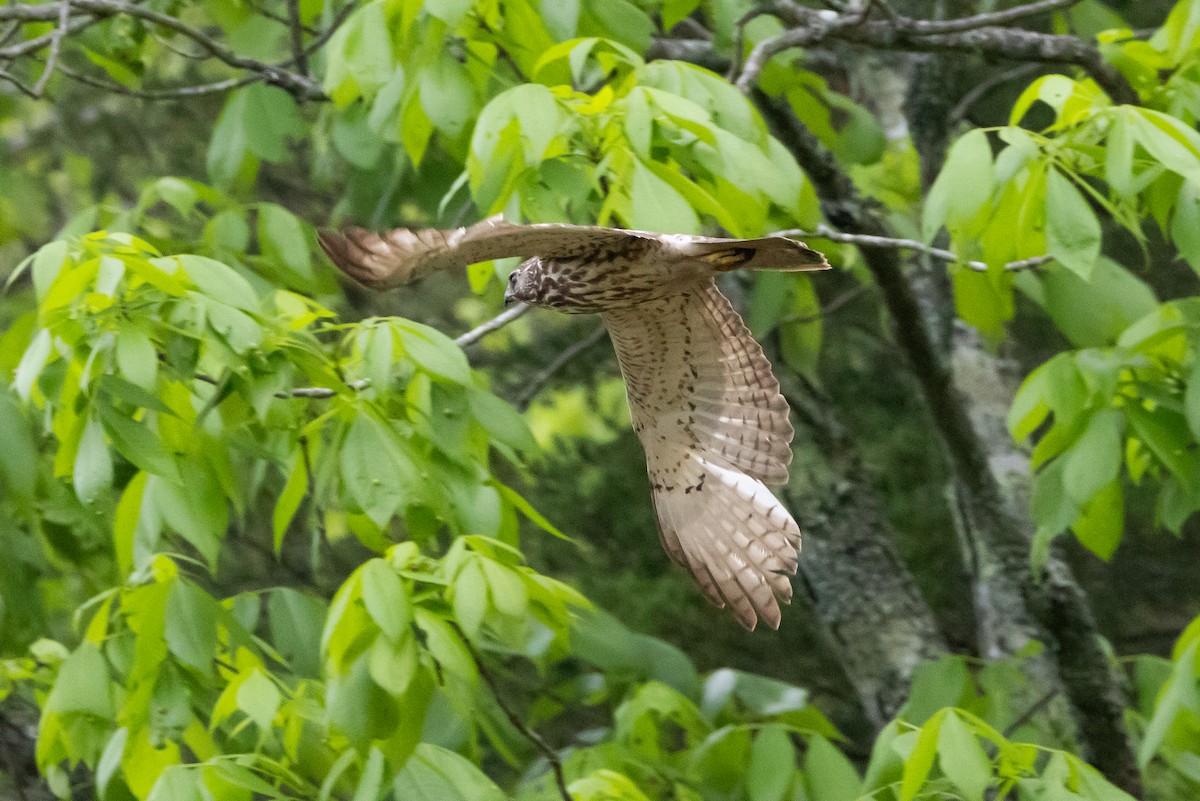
703	400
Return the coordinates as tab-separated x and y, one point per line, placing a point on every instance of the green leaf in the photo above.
655	206
228	147
433	351
190	625
1168	141
828	774
386	599
447	95
1095	458
772	765
197	511
919	763
1029	407
433	772
359	55
377	469
82	685
675	11
450	12
1072	230
1093	311
137	443
219	282
296	620
283	240
394	664
1191	400
1102	521
962	187
93	471
1179	693
259	698
290	498
470	598
32	362
501	420
962	758
137	358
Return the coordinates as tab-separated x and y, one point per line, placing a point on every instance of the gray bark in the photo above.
868	605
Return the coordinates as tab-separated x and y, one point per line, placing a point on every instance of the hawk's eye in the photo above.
512	278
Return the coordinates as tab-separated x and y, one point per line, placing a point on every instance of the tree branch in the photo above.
539	381
297	31
529	734
495	324
978	34
299	85
216	87
64	18
872	241
992	18
979	90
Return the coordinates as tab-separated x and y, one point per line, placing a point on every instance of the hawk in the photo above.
702	397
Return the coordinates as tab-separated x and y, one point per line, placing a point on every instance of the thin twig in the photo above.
928	27
299	85
280	18
297	31
216	87
20	85
160	94
64	18
978	35
495	324
829	308
1036	707
977	92
865	240
529	734
313	393
38	42
739	41
539	381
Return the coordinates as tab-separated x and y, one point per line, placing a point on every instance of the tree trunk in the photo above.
880	635
995	539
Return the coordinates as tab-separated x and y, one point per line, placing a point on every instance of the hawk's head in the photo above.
528	284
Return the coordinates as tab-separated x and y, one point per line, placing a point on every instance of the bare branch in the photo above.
214	87
297	31
903	33
871	241
979	90
539	381
841	301
160	94
495	324
38	42
301	86
529	734
20	85
925	27
64	17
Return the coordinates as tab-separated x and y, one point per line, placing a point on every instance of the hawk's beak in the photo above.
509	299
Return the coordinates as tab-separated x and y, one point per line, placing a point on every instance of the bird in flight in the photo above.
703	400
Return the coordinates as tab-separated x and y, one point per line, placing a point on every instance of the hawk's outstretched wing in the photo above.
391	258
715	429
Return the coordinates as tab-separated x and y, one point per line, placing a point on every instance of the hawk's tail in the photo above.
737	539
767	253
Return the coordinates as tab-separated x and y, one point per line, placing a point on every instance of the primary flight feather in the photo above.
703	400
